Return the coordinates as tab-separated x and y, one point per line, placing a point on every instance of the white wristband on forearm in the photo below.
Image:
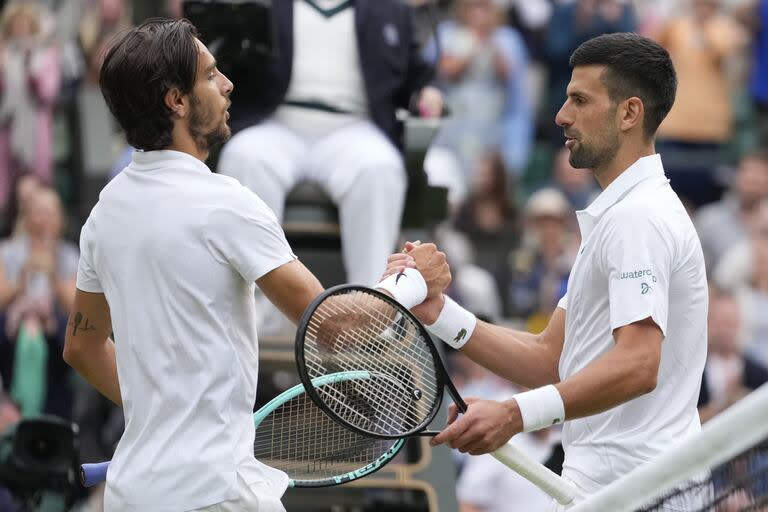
454	325
540	408
407	287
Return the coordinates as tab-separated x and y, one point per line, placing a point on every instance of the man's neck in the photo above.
183	142
623	160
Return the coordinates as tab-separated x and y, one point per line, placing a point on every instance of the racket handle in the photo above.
92	474
538	474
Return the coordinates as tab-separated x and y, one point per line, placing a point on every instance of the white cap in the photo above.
547	202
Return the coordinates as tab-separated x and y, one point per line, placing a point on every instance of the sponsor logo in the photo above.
635	274
460	336
644	288
398	276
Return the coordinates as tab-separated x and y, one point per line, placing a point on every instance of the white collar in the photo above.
644	168
149	160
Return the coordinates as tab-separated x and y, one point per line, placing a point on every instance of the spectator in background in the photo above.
29	84
725	223
754	15
700	41
729	374
577	185
484	66
573	23
339	72
489	216
743	270
537	272
485	484
101	21
24	189
37	285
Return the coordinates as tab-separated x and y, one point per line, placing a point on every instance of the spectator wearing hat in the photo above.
537	272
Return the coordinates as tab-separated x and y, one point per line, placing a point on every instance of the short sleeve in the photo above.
87	278
637	254
246	234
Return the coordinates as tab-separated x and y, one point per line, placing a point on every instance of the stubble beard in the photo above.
597	155
198	120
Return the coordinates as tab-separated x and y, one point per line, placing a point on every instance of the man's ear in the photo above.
176	102
632	113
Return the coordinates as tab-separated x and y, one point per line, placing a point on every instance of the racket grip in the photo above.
538	474
92	474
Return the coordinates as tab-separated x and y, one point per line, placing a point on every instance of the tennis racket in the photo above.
295	436
357	329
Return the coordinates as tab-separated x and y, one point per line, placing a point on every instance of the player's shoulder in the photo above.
230	197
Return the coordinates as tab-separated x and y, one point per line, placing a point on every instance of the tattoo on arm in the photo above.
80	322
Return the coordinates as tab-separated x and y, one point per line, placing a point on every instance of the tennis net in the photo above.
724	469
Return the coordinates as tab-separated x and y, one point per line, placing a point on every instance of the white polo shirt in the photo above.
640	257
176	250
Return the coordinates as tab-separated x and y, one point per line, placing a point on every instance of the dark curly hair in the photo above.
139	68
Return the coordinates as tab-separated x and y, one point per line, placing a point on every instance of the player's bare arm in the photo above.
290	287
627	371
530	360
88	348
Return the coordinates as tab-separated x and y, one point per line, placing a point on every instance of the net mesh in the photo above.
359	331
301	440
741	484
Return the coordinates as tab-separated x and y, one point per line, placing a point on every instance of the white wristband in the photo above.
454	325
540	408
407	287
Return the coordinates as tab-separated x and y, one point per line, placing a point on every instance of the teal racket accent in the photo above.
295	436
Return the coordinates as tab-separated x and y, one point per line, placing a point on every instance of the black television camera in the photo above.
39	460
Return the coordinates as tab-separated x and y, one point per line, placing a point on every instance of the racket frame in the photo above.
564	491
95	473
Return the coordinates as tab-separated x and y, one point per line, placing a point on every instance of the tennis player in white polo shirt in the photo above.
169	258
622	357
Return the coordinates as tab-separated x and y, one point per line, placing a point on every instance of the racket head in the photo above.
297	437
351	328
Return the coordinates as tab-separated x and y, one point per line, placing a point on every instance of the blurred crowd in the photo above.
511	234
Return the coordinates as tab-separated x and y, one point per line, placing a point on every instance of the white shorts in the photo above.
253	498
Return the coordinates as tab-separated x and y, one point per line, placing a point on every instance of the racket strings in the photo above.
301	440
359	331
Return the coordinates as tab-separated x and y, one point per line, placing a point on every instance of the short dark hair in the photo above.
139	68
636	66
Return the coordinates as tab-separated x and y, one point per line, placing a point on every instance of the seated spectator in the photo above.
484	67
29	85
729	374
700	40
724	223
24	189
537	272
743	271
485	484
489	217
37	284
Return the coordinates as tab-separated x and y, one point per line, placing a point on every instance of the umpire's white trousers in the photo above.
357	166
251	499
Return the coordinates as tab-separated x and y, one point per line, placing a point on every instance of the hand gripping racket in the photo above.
295	436
356	329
